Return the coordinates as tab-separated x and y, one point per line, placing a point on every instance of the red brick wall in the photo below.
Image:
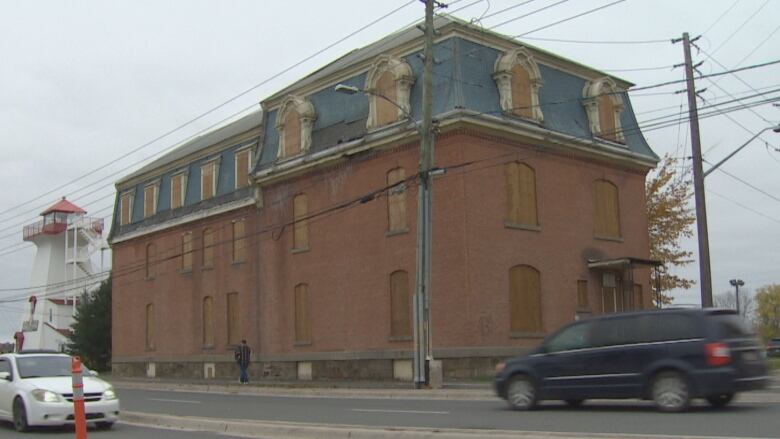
177	295
350	259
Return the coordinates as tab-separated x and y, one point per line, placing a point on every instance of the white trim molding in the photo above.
306	114
502	74
404	79
591	94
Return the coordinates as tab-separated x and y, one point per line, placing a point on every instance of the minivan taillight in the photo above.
718	354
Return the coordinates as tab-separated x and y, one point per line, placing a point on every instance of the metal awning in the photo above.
622	262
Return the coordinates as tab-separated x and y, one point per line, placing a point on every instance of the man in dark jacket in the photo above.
243	355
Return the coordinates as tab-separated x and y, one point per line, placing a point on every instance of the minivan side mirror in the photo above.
5	376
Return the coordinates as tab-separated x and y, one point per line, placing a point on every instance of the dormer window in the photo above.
294	122
389	83
519	80
208	179
126	208
603	104
178	189
150	199
243	159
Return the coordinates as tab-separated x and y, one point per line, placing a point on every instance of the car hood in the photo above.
65	385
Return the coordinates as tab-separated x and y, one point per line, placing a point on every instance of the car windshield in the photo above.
44	366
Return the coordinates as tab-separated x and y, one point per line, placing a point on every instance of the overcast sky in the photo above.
84	83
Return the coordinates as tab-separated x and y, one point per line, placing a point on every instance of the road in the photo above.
120	431
755	416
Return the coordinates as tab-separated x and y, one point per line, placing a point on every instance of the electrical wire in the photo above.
569	18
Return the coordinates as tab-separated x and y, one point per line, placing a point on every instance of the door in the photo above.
6	389
563	362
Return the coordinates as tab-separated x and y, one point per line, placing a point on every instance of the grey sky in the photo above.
83	83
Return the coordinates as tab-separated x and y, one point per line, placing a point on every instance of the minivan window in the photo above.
615	331
574	337
730	326
669	327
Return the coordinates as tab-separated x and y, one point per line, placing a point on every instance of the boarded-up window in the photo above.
150	326
208	180
301	229
151	260
638	297
232	318
386	111
521	194
126	209
150	200
292	134
242	168
607	118
525	301
582	294
239	241
400	305
208	247
607	221
178	190
208	321
186	251
302	314
396	201
521	92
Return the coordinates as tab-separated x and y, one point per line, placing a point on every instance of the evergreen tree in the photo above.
91	339
669	219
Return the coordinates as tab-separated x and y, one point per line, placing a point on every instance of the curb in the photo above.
314	392
284	430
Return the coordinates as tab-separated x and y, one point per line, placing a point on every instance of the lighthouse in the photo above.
65	240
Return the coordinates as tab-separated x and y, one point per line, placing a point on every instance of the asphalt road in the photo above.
742	419
120	431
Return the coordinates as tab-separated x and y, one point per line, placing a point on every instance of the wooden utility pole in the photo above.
423	353
705	276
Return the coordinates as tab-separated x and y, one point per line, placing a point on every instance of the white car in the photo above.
37	389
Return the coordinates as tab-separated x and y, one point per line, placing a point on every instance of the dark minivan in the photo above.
669	356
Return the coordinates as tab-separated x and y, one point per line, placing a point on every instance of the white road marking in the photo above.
183	401
420	412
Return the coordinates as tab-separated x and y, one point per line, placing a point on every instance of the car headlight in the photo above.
46	396
109	394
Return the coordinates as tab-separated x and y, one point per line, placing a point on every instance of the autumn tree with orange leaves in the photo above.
669	219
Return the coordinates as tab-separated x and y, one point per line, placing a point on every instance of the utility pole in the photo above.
705	276
423	353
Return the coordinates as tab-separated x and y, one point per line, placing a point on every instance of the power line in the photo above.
223	104
741	26
752	186
721	17
535	11
570	18
748	208
558	40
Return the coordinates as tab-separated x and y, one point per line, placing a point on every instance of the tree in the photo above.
91	338
747	303
669	219
768	311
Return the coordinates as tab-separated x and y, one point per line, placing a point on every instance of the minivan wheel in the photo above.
720	400
574	402
671	392
521	393
20	416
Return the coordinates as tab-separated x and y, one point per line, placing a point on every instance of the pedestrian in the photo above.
243	355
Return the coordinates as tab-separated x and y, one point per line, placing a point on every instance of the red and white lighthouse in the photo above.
66	239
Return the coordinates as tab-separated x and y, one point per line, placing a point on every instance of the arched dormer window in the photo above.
603	105
389	80
294	122
519	80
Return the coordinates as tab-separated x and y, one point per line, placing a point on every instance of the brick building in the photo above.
294	227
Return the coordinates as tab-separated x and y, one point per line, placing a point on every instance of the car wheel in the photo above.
521	393
574	402
20	416
720	400
104	425
671	392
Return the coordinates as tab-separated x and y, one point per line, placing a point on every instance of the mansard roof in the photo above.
248	122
